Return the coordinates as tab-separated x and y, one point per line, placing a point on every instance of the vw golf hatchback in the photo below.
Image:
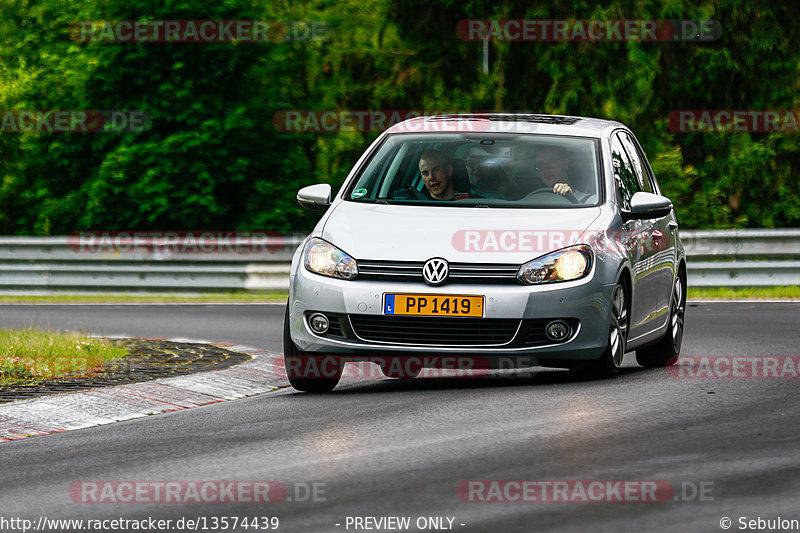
488	241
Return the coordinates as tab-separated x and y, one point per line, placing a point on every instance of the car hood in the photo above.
458	234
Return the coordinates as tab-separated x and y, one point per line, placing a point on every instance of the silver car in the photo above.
488	241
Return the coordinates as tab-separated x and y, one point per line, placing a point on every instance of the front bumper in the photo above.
584	302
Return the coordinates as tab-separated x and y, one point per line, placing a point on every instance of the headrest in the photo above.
460	177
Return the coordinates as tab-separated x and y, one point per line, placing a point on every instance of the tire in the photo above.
305	372
607	366
666	351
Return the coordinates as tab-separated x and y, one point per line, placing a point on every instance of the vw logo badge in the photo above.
435	271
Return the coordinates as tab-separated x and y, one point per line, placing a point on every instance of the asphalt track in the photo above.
381	448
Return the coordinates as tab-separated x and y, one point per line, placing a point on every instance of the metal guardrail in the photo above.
742	244
50	264
716	258
742	258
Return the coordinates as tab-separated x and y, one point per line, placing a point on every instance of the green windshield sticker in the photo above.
358	193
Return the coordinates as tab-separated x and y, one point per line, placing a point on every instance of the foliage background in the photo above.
214	160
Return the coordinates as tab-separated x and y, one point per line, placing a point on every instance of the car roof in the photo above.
508	123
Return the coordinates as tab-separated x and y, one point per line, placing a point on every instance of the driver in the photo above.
552	164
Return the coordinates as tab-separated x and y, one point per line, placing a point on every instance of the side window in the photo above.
638	165
627	184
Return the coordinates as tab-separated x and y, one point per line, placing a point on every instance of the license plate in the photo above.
432	305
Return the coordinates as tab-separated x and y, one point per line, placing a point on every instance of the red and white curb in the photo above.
64	412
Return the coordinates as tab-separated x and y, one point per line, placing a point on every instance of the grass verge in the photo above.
30	354
173	298
695	293
734	293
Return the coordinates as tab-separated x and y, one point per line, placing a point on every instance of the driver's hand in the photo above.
562	189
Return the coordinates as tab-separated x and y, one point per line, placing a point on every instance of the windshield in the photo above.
531	171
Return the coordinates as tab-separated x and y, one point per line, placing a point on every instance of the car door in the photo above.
661	236
636	238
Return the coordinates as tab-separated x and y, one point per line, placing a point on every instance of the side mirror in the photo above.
316	197
645	206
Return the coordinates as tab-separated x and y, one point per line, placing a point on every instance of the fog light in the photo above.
319	323
557	330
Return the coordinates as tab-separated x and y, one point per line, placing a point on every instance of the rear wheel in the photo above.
608	364
667	350
308	373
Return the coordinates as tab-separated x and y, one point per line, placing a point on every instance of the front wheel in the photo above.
608	364
667	350
308	373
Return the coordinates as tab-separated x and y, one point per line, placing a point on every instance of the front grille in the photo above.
452	331
459	272
335	327
390	270
464	272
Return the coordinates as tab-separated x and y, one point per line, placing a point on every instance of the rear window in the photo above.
473	169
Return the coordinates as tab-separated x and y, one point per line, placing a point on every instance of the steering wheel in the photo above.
547	190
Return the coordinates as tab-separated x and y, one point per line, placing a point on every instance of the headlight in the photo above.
322	257
568	264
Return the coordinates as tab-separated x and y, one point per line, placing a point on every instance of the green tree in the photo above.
214	160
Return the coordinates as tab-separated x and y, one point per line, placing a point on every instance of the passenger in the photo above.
437	175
